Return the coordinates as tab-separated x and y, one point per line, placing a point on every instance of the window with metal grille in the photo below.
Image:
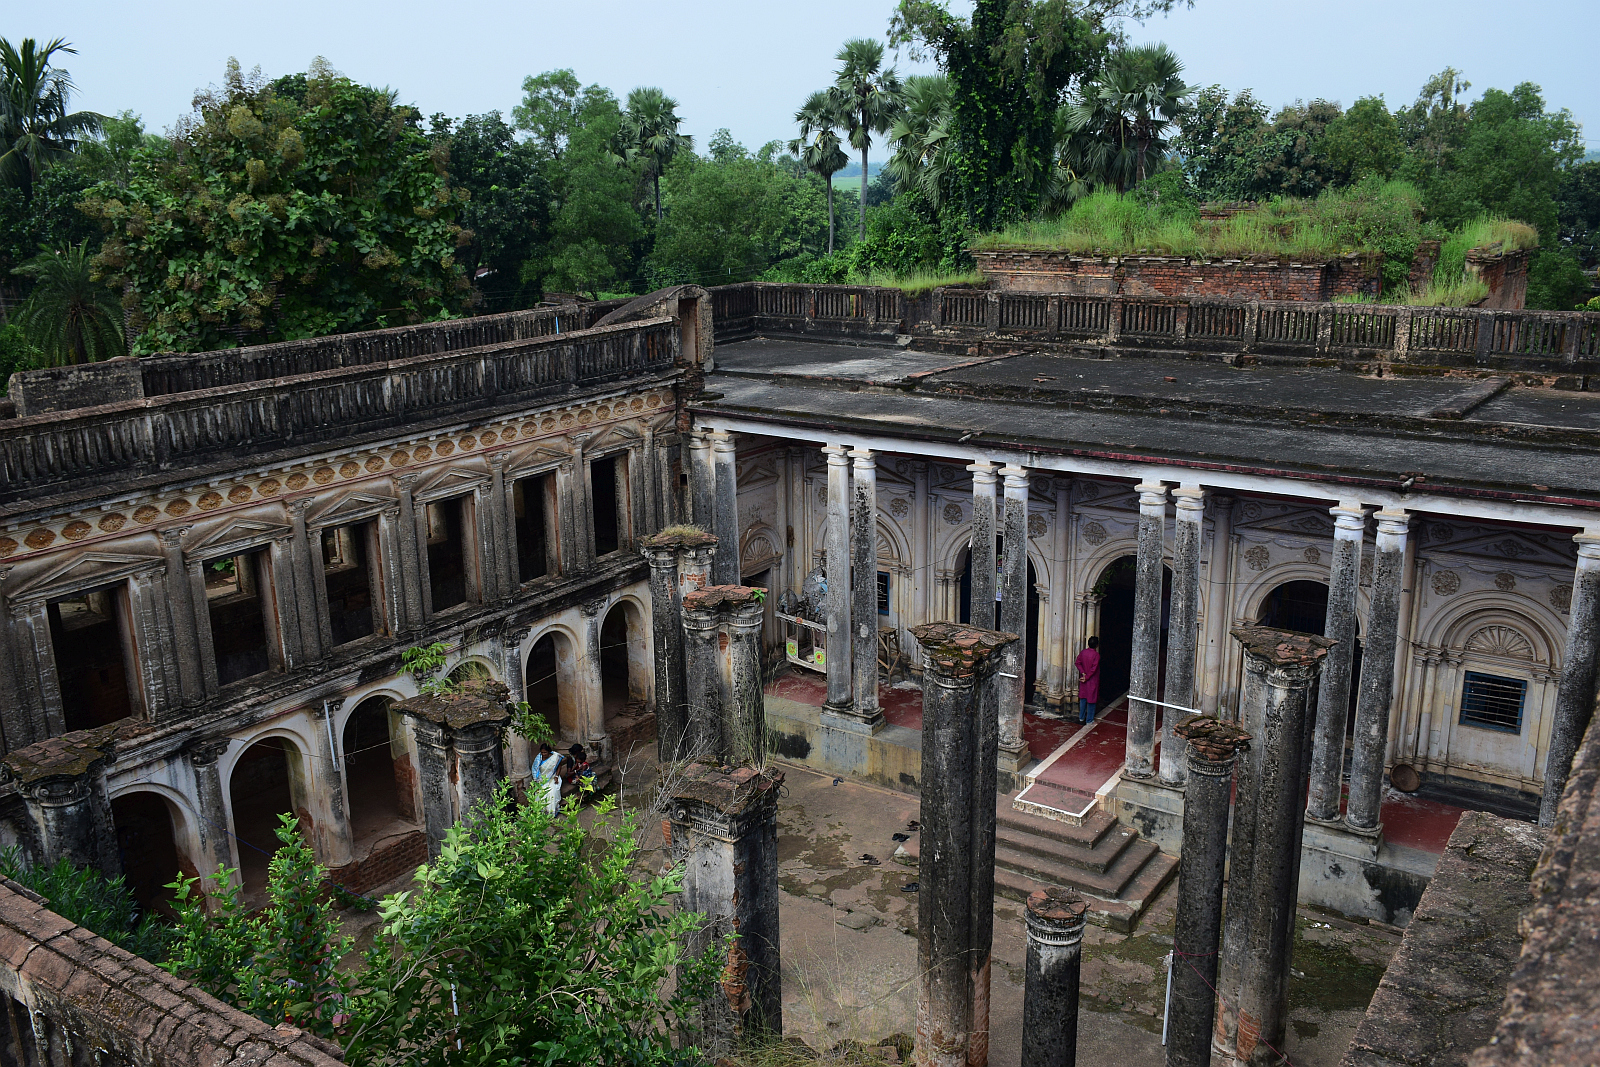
1492	702
883	593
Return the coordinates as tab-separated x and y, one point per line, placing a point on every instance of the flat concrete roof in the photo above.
1319	422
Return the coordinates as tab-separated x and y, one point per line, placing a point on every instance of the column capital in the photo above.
1392	527
836	455
499	459
721	441
983	473
1190	501
172	536
206	753
1015	477
1588	548
1152	498
1055	917
1349	520
404	482
864	458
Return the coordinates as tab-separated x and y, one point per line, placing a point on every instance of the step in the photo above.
1109	883
1097	859
1086	834
1056	803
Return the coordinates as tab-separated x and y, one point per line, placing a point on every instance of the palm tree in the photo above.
1126	110
35	127
921	136
869	96
818	146
652	130
70	316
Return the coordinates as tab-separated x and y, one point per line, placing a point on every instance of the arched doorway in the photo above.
380	791
1303	606
547	683
147	839
622	667
1031	655
1115	588
262	787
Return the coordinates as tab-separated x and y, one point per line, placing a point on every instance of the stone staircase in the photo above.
1116	870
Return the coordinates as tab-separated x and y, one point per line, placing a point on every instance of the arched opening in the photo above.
1302	606
548	663
1031	655
147	839
1115	587
380	781
261	788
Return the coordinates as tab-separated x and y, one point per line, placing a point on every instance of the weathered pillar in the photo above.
958	817
837	600
1054	917
459	758
582	505
1184	630
1211	747
1061	642
216	851
191	673
63	787
330	817
744	729
1146	630
725	569
519	751
1575	691
1333	693
981	555
921	553
1013	750
703	678
1281	668
594	734
724	830
500	564
1219	600
1377	673
666	552
864	586
433	777
702	483
480	761
309	609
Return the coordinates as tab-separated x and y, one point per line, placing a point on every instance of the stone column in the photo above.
666	630
956	895
311	610
1281	669
1575	692
702	483
724	830
216	849
191	671
41	684
155	655
725	510
1061	643
479	762
1013	620
16	718
1184	630
582	505
981	555
519	752
433	771
1377	674
837	600
330	818
1210	751
412	560
1333	693
921	554
62	782
502	528
1219	596
1146	630
744	729
864	586
594	736
1054	919
703	679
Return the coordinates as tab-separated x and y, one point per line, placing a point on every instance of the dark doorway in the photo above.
89	636
380	788
349	561
1301	606
534	502
1116	588
447	552
150	858
603	483
260	790
237	606
614	663
1031	657
541	683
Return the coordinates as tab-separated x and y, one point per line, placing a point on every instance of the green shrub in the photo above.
85	896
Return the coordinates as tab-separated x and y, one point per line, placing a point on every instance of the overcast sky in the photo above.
748	65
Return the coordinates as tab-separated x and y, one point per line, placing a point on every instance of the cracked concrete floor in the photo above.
850	947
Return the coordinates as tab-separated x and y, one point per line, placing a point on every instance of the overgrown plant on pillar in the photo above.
956	875
1333	694
1146	630
836	602
864	587
1371	737
1183	633
1575	692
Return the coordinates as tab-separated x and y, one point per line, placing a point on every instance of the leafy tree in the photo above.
532	940
84	896
47	219
1578	210
552	107
70	317
921	136
818	147
1215	133
278	218
508	214
1433	126
109	157
36	129
1364	141
651	130
869	96
1122	116
16	353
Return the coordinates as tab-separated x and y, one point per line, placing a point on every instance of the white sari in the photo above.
546	778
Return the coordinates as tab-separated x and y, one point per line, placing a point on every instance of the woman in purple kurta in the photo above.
1088	664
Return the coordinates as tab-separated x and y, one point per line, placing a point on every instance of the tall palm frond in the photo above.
1116	128
35	127
71	317
870	96
818	147
652	131
921	133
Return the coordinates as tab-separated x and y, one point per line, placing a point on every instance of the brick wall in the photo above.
390	860
1505	275
1262	278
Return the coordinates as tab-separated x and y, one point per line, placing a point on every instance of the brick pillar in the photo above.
724	831
722	654
956	899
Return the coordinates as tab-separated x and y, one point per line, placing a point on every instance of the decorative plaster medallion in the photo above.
209	501
654	400
488	437
349	469
1366	570
76	531
567	419
240	493
1257	557
297	481
1088	490
269	487
323	475
1510	548
468	443
1041	485
547	425
1036	525
422	453
1250	510
1446	582
445	448
1094	533
602	411
113	522
400	458
899	508
1505	581
1440	532
1312	554
7	546
39	538
1500	641
1561	598
178	507
636	404
585	417
952	513
145	514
